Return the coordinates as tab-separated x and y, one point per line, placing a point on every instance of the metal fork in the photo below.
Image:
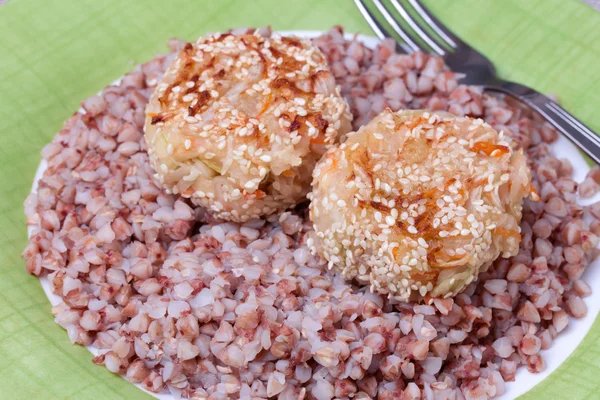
478	70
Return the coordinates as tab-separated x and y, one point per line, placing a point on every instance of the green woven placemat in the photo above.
53	54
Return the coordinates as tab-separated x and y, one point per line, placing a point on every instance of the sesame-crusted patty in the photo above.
239	121
416	202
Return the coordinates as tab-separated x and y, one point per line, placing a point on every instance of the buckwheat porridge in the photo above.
184	296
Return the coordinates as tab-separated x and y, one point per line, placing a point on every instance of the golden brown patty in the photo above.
239	121
419	202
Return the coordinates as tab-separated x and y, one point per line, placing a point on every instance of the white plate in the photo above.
566	341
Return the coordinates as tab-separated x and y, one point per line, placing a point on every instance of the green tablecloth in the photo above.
55	53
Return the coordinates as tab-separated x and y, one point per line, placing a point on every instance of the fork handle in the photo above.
561	119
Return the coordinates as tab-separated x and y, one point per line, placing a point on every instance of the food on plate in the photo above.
238	122
187	305
418	203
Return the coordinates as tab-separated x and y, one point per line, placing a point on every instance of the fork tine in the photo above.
436	25
417	29
397	28
375	26
379	30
